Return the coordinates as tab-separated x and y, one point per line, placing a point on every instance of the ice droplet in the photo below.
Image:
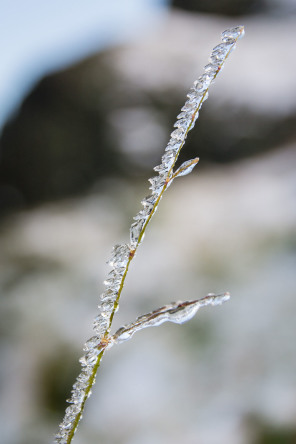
120	255
189	106
157	183
66	424
168	158
211	68
90	358
100	324
178	134
202	83
79	385
149	201
108	295
91	343
221	50
113	280
174	146
83	377
61	438
161	169
143	214
184	115
181	123
135	231
233	33
106	307
77	397
72	410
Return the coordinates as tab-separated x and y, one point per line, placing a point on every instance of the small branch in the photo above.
123	254
177	312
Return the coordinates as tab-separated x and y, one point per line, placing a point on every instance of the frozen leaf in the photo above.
177	312
186	167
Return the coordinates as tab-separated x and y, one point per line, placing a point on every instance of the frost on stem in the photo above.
177	312
122	254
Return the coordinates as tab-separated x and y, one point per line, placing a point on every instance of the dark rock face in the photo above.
57	145
223	7
75	127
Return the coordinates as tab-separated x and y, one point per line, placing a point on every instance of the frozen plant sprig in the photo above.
123	254
177	312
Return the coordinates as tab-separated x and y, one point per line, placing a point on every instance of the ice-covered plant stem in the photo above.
123	254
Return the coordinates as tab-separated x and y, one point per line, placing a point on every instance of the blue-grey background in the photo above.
89	92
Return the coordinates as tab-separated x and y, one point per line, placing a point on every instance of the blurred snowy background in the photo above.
89	92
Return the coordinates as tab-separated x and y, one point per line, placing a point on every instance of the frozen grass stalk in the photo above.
123	254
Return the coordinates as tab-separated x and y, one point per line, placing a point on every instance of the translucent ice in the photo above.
186	167
177	312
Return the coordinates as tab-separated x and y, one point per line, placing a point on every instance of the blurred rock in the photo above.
229	375
223	7
234	8
111	115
